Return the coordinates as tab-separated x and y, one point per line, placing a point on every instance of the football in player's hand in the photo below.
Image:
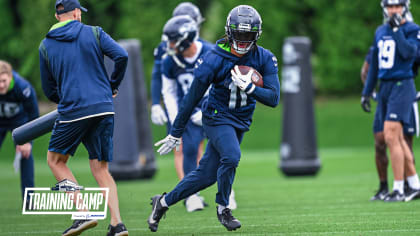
255	77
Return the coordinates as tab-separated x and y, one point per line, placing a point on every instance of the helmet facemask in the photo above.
243	40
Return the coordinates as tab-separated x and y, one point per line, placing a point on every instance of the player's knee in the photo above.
232	160
99	173
56	159
391	136
209	180
380	147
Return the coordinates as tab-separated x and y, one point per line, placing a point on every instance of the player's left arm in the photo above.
406	45
203	74
269	95
49	84
30	107
30	103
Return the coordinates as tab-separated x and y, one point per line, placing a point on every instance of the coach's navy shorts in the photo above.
95	133
396	103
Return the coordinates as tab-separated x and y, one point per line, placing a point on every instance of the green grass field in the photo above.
335	202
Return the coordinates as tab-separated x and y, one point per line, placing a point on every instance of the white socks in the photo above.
399	186
163	202
413	181
220	208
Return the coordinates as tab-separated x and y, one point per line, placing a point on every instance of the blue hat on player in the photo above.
69	5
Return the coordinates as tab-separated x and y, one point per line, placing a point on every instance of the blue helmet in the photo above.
182	31
187	8
404	3
243	25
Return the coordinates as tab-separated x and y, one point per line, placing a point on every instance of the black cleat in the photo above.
79	226
395	196
228	220
118	230
380	195
157	212
411	194
406	187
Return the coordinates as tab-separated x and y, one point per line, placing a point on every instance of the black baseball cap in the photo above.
69	5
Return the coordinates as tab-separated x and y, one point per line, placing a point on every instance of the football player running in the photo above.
159	116
227	114
394	52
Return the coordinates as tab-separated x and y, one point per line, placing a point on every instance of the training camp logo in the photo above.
67	198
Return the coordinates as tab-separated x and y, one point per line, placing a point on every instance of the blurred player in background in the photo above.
74	76
227	114
381	158
158	115
183	51
394	51
18	105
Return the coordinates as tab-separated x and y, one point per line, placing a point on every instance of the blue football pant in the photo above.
191	139
26	168
218	164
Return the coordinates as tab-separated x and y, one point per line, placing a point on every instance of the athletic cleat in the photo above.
157	212
194	203
118	230
395	196
411	194
228	220
380	195
232	202
406	187
79	226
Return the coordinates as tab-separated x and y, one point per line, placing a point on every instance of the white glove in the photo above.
158	115
196	118
168	143
242	81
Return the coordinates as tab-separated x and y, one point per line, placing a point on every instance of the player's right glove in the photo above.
243	82
395	21
168	143
365	101
158	115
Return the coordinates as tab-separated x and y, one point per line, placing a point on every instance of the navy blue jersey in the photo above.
227	104
156	83
159	54
393	54
19	104
368	57
180	77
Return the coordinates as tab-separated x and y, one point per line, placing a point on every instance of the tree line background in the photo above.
341	31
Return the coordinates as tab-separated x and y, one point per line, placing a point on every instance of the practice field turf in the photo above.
335	202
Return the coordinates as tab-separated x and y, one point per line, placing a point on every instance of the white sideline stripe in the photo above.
87	117
416	117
